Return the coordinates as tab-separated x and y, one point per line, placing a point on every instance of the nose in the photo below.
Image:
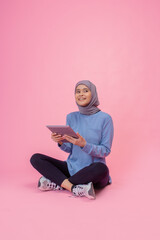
81	93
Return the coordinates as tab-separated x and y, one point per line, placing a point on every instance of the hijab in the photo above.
91	108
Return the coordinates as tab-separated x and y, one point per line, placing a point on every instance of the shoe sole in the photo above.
42	189
39	186
91	192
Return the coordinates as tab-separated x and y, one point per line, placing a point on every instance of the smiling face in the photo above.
83	95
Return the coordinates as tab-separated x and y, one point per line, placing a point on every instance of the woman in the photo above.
85	167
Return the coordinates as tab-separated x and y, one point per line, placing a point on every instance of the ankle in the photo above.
67	185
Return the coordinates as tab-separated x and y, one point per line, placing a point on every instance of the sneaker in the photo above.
86	190
110	180
45	184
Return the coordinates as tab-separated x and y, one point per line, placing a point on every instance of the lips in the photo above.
81	99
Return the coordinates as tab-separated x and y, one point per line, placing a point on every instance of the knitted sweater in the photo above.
97	129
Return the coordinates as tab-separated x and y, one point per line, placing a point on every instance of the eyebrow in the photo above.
82	89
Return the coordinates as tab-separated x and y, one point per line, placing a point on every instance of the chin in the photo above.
83	105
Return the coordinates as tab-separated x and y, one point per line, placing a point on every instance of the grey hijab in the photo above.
91	108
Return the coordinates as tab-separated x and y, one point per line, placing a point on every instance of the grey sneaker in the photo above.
110	180
86	190
45	184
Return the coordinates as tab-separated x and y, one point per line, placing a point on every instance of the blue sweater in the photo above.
97	130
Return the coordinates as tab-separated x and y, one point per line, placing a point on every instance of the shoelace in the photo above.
59	188
54	186
51	185
78	191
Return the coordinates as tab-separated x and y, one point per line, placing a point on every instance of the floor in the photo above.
126	209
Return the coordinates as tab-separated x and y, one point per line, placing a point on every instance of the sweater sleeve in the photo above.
104	148
66	146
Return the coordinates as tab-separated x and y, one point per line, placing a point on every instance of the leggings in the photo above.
57	171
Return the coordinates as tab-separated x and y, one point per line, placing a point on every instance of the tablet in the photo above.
61	130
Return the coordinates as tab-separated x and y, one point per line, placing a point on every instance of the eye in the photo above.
85	90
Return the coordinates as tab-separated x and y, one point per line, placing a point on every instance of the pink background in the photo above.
46	47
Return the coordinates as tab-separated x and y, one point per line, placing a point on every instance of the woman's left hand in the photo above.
77	141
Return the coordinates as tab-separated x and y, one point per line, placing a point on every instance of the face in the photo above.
83	95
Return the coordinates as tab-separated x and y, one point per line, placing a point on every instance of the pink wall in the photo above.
47	46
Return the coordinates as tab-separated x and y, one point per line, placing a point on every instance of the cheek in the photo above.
89	97
76	97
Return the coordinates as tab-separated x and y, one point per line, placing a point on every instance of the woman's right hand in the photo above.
57	138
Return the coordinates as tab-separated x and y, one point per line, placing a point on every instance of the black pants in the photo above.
57	171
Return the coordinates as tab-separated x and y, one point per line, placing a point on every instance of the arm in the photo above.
104	148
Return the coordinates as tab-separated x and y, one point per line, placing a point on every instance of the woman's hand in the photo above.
77	141
57	138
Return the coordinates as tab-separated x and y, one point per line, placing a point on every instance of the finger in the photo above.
69	139
58	135
54	134
78	134
66	137
58	139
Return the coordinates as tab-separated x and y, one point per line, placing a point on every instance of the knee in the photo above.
102	169
34	159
